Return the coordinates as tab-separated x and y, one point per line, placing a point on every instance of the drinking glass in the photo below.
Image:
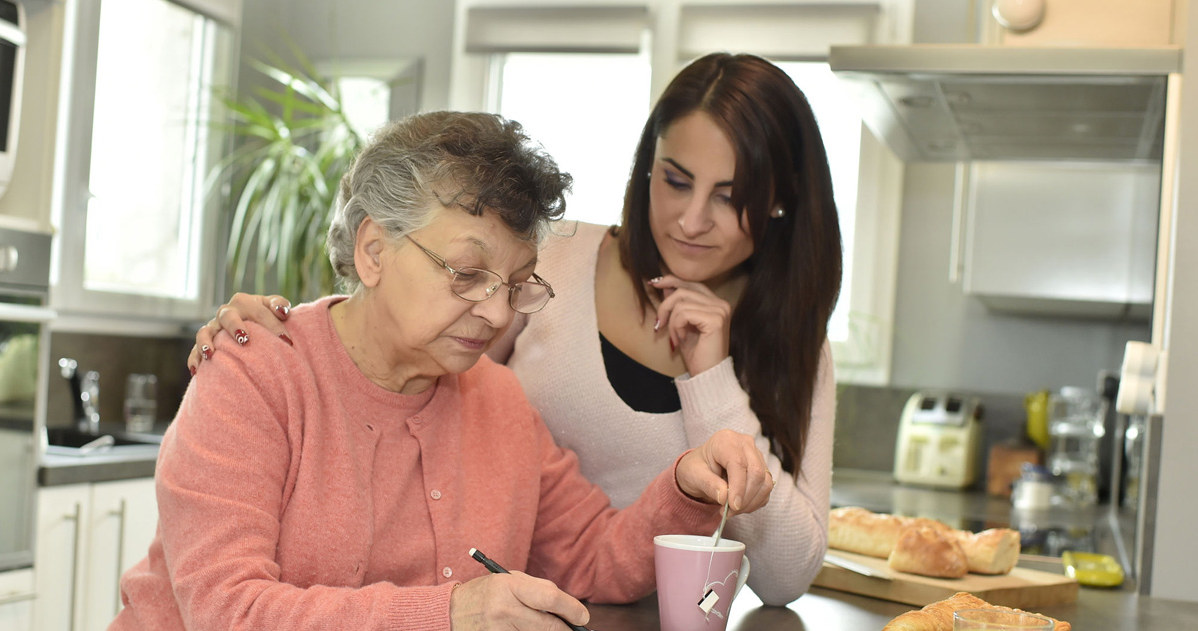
999	620
141	402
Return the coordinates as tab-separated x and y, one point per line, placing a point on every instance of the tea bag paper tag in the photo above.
709	600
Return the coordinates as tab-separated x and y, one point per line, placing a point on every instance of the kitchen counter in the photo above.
98	467
830	610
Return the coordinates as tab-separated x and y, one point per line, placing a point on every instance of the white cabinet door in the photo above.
16	600
87	536
59	556
1063	238
121	525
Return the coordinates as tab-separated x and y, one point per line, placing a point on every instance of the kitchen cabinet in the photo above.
88	535
16	600
1062	238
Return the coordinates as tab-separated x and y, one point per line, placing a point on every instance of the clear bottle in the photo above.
1075	428
141	402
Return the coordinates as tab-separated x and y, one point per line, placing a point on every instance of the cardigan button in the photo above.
435	494
447	572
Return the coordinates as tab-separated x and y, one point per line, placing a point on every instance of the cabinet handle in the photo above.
120	551
16	598
956	257
76	518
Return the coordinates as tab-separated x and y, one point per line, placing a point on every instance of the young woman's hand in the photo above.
697	321
269	311
728	467
512	601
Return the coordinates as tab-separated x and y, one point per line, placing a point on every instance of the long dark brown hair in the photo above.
780	325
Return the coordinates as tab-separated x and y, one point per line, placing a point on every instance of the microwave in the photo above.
12	69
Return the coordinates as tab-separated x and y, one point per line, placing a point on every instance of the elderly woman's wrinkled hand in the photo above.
726	467
512	601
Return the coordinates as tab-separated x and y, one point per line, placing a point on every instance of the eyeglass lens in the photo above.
478	284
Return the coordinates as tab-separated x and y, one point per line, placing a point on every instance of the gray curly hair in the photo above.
476	161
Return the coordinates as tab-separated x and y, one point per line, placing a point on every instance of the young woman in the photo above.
706	309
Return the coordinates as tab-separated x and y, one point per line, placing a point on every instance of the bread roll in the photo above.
935	616
862	531
993	551
938	616
928	551
859	530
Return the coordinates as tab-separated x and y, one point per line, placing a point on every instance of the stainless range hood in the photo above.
951	103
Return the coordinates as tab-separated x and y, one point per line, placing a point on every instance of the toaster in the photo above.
938	440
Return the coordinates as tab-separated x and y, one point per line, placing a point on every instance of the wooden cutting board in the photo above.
1022	588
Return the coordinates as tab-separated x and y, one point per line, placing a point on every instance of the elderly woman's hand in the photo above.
512	601
728	466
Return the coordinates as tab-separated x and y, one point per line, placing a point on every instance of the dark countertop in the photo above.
830	610
98	467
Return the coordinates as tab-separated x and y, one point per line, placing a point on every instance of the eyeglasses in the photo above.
476	285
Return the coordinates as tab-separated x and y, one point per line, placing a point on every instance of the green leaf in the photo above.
293	144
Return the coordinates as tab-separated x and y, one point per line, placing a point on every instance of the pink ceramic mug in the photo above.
696	582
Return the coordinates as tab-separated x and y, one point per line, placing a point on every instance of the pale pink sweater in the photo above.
294	493
556	355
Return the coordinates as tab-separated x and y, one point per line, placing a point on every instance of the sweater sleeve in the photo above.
222	485
594	551
786	540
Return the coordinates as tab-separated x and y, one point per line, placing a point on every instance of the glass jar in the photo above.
1075	428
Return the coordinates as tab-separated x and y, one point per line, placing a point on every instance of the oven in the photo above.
24	364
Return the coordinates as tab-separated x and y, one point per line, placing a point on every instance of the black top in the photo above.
641	388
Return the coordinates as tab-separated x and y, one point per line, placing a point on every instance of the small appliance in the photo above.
938	440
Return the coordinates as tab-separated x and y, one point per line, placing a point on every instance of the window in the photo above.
840	127
587	110
141	144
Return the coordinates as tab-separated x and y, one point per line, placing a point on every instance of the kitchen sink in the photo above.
68	441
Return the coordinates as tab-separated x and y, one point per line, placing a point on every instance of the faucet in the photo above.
85	394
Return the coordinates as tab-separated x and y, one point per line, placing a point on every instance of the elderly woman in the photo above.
337	479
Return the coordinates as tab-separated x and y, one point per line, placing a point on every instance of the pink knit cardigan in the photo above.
294	493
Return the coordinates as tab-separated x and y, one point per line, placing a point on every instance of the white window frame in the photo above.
86	310
676	31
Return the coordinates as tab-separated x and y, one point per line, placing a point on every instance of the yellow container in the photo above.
1036	405
1095	570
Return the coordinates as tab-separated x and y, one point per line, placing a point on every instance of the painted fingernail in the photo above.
656	324
242	336
655	280
282	310
284	337
206	351
192	370
672	347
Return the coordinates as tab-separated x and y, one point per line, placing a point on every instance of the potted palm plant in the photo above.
292	143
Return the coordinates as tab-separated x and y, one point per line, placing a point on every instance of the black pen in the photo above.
496	568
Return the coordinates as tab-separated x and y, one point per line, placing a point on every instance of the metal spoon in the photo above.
720	531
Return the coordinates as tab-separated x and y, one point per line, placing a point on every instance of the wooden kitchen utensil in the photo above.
1005	463
1023	588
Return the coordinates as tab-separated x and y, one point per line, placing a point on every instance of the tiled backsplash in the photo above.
867	424
115	357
